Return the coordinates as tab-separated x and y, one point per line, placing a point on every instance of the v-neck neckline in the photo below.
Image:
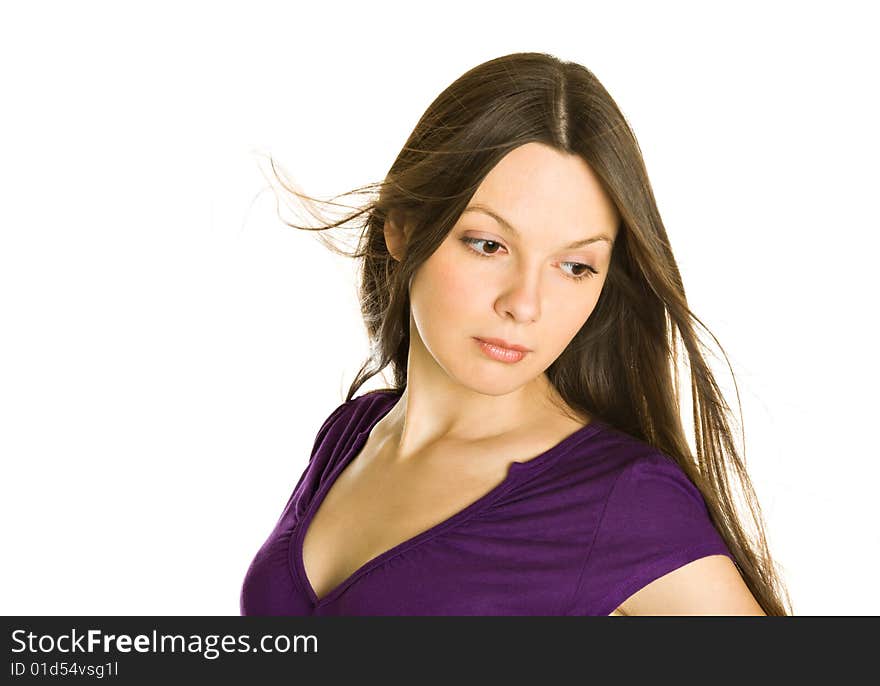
295	553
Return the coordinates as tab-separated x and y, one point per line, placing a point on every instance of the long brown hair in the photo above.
622	366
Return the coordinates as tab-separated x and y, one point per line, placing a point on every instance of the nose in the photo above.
520	298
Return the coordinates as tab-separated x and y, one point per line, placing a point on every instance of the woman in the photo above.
530	457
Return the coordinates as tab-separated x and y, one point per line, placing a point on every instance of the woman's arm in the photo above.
708	586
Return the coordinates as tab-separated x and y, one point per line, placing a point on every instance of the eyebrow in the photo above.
477	207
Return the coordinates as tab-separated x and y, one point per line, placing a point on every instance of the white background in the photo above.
169	347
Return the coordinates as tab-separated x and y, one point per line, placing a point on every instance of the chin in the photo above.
491	382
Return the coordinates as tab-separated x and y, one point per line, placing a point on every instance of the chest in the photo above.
374	506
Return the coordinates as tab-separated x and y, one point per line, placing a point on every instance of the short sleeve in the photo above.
316	446
325	428
655	520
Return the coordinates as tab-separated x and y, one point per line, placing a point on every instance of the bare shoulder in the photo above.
711	585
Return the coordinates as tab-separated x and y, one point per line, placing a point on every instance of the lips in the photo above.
501	343
499	354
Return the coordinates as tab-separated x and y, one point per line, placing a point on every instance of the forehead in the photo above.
538	188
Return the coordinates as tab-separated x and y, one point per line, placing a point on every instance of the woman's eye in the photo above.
586	270
583	271
474	241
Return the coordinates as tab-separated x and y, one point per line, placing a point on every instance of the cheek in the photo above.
569	320
447	283
459	285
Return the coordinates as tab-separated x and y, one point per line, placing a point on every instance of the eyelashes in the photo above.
588	272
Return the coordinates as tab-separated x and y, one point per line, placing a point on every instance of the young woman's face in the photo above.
527	285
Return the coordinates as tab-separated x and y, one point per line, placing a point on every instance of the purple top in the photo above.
573	531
